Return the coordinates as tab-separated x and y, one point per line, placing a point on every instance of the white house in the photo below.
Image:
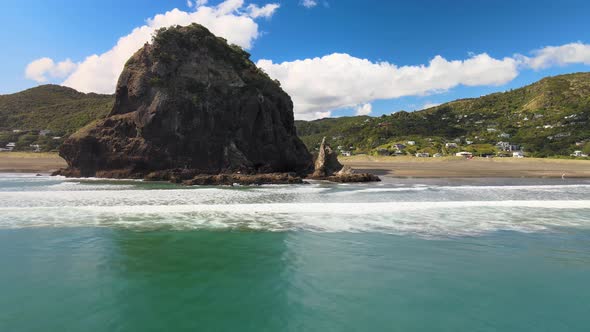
35	147
10	146
411	142
451	145
518	154
578	153
422	154
345	153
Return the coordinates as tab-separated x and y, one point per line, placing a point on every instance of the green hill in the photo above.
57	110
546	118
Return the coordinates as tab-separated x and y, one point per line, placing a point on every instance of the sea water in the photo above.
401	255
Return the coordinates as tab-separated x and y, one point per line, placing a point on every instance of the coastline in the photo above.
457	167
390	167
28	162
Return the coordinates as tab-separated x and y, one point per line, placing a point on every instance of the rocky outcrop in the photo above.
326	163
327	167
242	179
189	102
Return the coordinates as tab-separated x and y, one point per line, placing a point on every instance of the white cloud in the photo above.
265	11
189	3
230	19
309	3
558	55
335	81
42	69
364	109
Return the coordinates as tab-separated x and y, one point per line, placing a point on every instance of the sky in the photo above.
334	57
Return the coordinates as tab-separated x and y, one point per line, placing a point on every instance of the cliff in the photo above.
189	103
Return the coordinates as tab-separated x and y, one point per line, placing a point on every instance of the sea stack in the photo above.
327	167
189	104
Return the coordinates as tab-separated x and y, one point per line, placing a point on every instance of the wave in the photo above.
425	219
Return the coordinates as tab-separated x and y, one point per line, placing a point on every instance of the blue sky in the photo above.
399	33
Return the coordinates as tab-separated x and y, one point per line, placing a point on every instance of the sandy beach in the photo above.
401	167
26	162
456	167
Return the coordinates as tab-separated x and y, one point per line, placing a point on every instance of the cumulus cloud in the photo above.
230	19
339	80
558	55
309	3
42	69
265	11
364	109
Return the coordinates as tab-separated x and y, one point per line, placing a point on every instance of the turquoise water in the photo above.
410	255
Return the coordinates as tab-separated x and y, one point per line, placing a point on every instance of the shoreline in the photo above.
389	167
458	167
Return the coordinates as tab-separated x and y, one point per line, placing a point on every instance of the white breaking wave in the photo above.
422	210
427	219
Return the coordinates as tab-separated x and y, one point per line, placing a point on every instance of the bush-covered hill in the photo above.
546	118
56	110
59	109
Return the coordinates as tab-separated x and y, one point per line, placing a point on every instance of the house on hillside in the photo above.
44	132
10	146
398	146
423	155
451	145
35	147
411	142
506	146
345	153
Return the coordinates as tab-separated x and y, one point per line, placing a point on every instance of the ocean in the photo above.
400	255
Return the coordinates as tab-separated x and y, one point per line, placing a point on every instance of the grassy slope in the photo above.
59	109
521	113
562	102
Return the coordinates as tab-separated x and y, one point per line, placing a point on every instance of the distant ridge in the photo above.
57	108
546	118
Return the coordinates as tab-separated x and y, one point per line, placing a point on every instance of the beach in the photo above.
457	167
27	162
397	167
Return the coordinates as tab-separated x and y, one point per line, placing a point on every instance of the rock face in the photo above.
327	167
326	164
190	101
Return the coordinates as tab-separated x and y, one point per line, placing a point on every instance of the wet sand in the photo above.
456	167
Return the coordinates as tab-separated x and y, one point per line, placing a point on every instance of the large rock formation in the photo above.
190	101
327	167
